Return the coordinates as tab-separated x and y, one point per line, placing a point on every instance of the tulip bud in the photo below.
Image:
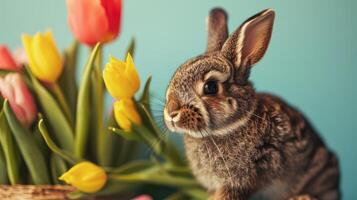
142	197
125	113
14	89
7	62
44	58
93	21
121	78
86	177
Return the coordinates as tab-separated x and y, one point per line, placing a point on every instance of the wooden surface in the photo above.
38	192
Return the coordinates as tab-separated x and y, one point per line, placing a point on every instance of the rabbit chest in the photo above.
226	160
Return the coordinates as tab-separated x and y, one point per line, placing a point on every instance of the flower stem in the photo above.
62	101
99	110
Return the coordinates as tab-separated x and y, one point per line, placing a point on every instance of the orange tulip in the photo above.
94	21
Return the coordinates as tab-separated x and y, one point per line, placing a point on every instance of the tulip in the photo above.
121	78
7	62
125	113
142	197
86	177
94	21
20	56
44	58
14	89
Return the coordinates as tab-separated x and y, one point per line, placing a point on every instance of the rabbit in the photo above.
239	143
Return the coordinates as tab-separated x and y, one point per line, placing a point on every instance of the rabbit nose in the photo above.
172	106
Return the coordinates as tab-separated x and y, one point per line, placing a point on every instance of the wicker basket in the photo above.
34	192
48	192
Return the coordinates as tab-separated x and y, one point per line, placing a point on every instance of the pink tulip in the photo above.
7	62
143	197
14	89
94	21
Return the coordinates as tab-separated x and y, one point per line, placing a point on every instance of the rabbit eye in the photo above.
210	88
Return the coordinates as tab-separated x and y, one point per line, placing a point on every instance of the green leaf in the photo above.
161	146
32	155
128	135
177	196
197	193
67	79
100	138
131	48
145	96
148	119
154	175
111	189
61	100
10	151
84	107
41	143
62	153
3	170
127	152
132	167
62	130
1	102
58	167
3	72
111	145
123	147
153	136
183	171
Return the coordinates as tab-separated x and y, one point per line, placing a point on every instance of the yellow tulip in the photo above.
121	78
44	58
86	177
125	113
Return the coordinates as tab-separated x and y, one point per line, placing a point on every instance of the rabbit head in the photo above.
211	94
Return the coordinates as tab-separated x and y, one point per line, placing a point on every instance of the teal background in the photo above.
311	61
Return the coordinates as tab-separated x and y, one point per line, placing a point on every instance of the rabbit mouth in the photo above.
188	120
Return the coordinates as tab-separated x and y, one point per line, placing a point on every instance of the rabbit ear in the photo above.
217	29
247	45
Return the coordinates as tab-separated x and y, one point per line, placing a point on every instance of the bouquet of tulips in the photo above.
54	132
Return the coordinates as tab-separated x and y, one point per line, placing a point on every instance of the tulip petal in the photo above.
125	114
86	177
120	116
46	57
115	62
87	20
142	197
27	42
13	88
6	60
113	12
130	71
117	84
24	99
121	78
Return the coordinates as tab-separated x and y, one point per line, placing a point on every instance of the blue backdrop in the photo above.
311	61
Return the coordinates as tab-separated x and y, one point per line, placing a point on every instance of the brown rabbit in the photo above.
241	143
